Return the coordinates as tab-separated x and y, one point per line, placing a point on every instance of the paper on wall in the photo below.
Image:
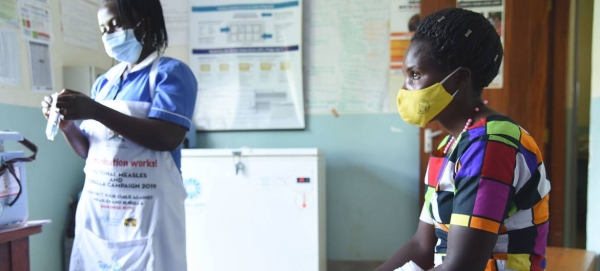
36	22
493	10
346	56
10	67
247	58
9	13
78	24
41	2
404	18
40	67
177	20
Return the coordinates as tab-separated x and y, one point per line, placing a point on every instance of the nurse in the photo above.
131	212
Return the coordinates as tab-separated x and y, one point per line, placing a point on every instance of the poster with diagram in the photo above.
494	11
247	58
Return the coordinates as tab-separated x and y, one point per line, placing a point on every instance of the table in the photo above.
14	247
570	259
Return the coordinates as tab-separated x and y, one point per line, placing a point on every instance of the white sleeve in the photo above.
410	266
425	216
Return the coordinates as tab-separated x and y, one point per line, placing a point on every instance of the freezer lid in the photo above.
249	152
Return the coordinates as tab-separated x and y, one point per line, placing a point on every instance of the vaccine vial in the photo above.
53	119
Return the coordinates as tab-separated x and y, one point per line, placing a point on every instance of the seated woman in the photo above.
486	203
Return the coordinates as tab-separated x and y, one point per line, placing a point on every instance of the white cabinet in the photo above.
255	209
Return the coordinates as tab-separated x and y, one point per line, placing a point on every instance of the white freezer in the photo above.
270	216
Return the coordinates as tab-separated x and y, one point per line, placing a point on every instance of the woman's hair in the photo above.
134	11
462	38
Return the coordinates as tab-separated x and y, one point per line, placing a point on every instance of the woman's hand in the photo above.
75	137
74	105
46	104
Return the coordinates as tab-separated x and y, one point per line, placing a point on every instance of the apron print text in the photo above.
109	267
118	183
140	175
119	202
125	163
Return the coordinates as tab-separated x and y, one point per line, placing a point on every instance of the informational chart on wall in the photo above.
346	56
177	16
494	11
10	71
77	28
404	18
36	22
40	67
9	13
247	58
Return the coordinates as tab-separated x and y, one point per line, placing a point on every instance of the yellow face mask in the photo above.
419	107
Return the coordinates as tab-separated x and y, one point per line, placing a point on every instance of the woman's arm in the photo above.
76	139
154	134
419	249
150	133
483	195
468	249
168	120
73	134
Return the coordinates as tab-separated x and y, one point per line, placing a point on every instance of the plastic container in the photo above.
53	119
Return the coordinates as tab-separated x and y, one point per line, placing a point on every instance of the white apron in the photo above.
131	213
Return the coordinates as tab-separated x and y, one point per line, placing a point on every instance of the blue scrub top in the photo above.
174	95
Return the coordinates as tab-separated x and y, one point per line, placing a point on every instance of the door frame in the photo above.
556	148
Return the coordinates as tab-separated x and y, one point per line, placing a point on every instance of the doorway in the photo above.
578	122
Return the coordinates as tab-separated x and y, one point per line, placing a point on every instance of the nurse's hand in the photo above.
75	137
46	104
75	105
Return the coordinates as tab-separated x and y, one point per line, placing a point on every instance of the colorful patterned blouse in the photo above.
495	181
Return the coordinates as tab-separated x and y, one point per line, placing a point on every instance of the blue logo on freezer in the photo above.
192	187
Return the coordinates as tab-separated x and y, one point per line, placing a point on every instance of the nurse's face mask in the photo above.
419	107
122	45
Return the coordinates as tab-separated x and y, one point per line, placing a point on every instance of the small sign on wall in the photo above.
404	18
494	11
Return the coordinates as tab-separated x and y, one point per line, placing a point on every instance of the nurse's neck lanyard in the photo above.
8	165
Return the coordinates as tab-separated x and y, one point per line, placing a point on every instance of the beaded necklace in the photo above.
453	141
